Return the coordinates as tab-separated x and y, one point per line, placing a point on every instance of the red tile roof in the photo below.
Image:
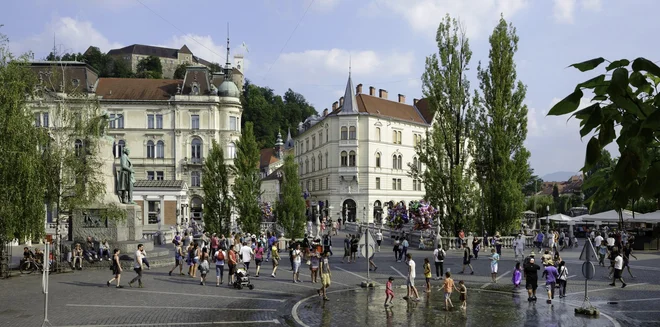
136	88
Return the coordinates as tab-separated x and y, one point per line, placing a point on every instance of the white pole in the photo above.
366	250
44	283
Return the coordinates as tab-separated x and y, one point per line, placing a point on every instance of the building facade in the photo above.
168	125
355	159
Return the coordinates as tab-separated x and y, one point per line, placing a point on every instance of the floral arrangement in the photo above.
398	215
422	214
266	211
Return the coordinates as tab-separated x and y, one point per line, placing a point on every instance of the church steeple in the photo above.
228	69
289	140
350	102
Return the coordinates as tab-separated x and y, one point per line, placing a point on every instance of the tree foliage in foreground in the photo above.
501	130
446	149
247	182
215	183
625	95
290	210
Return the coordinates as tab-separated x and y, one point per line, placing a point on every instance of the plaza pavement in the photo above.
81	298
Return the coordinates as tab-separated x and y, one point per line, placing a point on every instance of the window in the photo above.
327	135
160	149
378	183
233	123
112	122
417	185
415	162
414	185
307	188
37	119
306	145
194	121
378	160
120	147
313	185
150	175
195	178
320	137
344	133
394	183
344	159
394	137
159	121
231	150
398	137
320	184
196	150
45	122
120	121
394	161
154	212
306	166
313	164
378	134
351	158
418	139
399	163
326	160
314	142
150	149
352	133
320	162
327	183
150	121
398	184
160	175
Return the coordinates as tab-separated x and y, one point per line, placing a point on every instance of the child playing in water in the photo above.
517	276
463	297
448	286
427	275
389	292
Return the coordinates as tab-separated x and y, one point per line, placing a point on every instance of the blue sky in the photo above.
387	40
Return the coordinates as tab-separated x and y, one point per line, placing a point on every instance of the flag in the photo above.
245	47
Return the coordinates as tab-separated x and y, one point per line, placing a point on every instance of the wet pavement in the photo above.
484	308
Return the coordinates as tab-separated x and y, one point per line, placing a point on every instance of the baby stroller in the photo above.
241	279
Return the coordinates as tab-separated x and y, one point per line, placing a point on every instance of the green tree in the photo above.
215	67
180	72
447	147
21	165
149	67
533	185
215	183
247	182
501	129
290	210
555	192
626	96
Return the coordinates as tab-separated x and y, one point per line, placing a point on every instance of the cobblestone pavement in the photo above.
82	298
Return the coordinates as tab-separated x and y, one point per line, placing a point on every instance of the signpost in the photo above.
44	283
366	246
588	271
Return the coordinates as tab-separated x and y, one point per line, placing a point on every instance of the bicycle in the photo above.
30	266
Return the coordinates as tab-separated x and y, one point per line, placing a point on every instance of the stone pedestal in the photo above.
124	235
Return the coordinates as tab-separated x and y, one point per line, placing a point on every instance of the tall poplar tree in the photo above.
290	210
215	183
446	150
247	183
501	129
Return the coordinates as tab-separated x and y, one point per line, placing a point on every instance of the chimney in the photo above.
341	101
372	91
325	112
402	98
334	106
382	94
358	89
415	101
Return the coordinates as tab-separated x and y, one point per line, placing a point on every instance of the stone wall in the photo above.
129	229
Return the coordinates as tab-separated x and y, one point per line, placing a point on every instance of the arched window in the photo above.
326	160
394	137
150	149
320	162
398	137
344	133
327	135
320	137
351	158
352	133
378	159
378	134
344	159
306	166
195	178
160	149
400	163
313	164
78	145
300	167
231	150
415	162
394	161
196	150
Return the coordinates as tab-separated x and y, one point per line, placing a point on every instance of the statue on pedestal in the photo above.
125	178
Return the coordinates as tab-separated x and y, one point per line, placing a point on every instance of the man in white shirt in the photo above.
618	270
411	279
379	238
137	266
551	240
246	255
439	258
297	260
598	240
610	241
519	247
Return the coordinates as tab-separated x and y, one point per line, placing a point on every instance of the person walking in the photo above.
326	275
550	273
466	259
258	257
215	244
494	260
618	269
396	249
220	256
389	291
519	247
627	253
427	275
246	255
411	289
116	269
297	260
517	276
138	267
530	271
232	262
439	259
602	252
404	248
275	256
354	247
498	244
196	252
204	266
448	287
314	262
178	259
563	278
476	246
379	239
347	249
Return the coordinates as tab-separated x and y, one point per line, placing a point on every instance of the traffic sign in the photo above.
588	253
588	270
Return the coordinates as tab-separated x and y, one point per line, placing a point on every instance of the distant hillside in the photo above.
558	176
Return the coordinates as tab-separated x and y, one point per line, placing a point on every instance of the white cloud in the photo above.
325	5
555	142
71	35
202	46
424	15
564	10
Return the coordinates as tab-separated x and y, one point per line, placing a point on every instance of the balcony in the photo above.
193	161
348	143
348	173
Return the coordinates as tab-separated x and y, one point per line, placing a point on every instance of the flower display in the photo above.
422	214
266	211
398	215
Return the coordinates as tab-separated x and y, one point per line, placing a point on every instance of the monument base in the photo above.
123	234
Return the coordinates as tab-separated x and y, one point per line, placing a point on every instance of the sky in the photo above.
305	45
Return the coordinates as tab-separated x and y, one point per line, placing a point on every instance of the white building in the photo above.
168	125
354	159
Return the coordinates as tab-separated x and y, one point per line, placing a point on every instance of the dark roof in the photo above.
267	157
423	107
79	76
277	174
377	106
184	49
159	184
137	88
146	50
